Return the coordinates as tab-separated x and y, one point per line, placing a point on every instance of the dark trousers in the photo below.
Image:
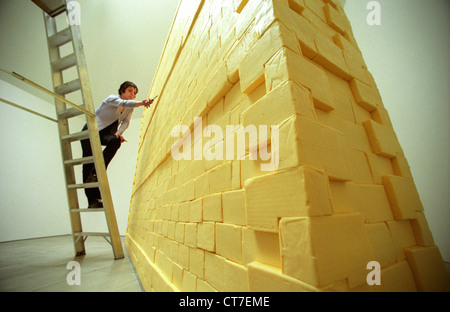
108	139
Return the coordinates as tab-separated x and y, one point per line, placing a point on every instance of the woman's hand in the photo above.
118	135
146	103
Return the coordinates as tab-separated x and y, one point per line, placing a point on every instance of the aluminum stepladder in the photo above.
56	39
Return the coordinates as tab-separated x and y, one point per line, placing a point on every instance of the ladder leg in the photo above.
104	188
80	249
72	196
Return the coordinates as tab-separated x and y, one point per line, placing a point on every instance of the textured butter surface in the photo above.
341	194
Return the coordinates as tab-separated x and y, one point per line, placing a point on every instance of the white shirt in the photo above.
109	111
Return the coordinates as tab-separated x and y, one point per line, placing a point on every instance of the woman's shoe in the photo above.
96	204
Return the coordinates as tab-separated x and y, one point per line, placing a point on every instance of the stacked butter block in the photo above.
342	194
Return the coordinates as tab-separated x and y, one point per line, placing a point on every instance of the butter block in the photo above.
233	204
304	31
315	7
184	209
179	232
403	197
296	5
196	210
285	100
365	96
238	51
324	250
197	262
206	236
329	119
421	230
296	192
215	271
229	241
306	142
343	197
236	277
379	166
165	265
248	246
372	202
336	20
251	69
248	9
330	56
428	269
263	247
401	167
381	116
287	65
212	207
360	169
183	256
265	278
189	283
343	97
381	243
218	87
220	178
201	185
251	168
190	235
177	276
354	60
361	114
236	175
204	287
402	236
398	278
355	136
383	140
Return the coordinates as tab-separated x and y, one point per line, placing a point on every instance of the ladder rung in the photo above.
88	210
80	161
83	185
91	234
76	136
69	87
65	62
71	112
60	38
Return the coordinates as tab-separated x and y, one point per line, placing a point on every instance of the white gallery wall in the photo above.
407	55
123	40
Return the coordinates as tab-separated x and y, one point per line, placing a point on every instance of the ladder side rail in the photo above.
66	149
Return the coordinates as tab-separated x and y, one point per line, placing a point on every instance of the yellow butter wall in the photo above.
342	194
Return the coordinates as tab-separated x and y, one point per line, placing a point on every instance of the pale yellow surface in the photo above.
342	195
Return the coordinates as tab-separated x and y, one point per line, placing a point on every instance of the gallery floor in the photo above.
40	265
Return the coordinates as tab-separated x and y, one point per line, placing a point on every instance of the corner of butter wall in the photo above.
343	3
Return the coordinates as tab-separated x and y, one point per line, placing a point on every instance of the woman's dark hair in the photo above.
125	85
